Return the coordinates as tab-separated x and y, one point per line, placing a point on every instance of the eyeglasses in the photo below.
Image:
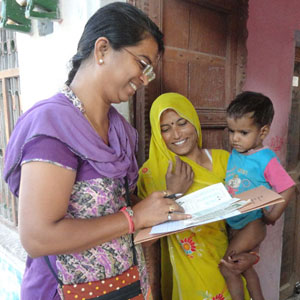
147	68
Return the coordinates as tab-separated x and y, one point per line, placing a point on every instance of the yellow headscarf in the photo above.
152	174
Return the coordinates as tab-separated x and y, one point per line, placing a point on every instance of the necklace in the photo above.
91	123
105	140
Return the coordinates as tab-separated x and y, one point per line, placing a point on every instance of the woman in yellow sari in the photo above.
189	259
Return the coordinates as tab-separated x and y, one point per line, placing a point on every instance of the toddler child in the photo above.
249	117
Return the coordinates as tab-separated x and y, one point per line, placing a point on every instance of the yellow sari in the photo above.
189	259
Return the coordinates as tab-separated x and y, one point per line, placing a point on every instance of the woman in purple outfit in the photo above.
68	156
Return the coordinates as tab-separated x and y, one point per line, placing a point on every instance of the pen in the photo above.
173	196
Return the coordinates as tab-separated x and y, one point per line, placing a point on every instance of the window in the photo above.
9	113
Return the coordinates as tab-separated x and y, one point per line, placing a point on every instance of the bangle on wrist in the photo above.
257	257
128	213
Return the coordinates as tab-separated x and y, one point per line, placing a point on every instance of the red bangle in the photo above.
257	257
124	210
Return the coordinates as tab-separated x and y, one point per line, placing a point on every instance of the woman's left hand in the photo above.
179	180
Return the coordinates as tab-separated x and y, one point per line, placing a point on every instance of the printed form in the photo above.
210	204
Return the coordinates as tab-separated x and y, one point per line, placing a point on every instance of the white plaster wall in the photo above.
43	60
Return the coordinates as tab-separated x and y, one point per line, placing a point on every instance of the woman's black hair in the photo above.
251	102
122	24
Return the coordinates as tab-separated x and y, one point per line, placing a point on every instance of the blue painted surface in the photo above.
10	279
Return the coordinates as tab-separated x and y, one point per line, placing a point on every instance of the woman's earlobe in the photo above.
101	47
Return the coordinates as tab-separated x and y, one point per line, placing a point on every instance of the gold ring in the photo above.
169	217
165	193
171	208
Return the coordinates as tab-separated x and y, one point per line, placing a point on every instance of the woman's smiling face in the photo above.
179	134
124	69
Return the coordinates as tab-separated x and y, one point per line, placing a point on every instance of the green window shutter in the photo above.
13	17
42	9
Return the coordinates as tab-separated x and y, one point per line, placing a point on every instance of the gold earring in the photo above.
101	61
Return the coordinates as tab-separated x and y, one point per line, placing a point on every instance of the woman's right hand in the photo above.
179	180
155	209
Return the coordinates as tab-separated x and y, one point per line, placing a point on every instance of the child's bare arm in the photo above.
271	216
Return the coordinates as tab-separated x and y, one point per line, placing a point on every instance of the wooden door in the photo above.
290	268
205	56
204	59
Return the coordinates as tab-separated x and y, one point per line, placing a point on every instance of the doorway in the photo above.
205	59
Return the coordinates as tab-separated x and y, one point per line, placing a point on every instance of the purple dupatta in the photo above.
57	117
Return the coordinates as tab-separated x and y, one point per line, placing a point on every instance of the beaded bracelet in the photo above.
257	257
124	210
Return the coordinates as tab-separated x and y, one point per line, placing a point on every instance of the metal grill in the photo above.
9	113
8	50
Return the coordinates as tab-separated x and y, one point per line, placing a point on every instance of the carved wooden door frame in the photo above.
144	98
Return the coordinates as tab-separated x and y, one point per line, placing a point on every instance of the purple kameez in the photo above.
61	118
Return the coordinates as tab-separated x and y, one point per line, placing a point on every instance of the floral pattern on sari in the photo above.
188	245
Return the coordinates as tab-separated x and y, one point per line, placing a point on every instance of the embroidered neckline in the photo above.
66	90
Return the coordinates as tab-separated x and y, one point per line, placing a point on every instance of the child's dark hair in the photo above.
122	24
251	102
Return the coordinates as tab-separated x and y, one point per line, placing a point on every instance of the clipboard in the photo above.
256	198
